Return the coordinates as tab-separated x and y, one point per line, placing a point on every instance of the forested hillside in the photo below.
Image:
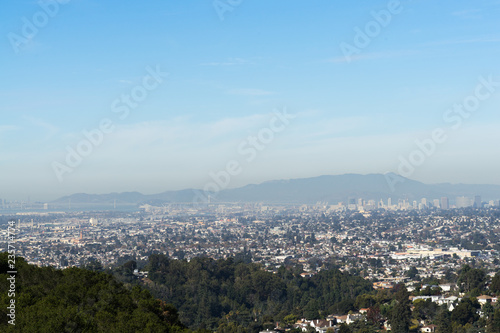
78	300
229	294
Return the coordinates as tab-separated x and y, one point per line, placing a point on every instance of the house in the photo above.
307	275
433	286
435	298
321	323
363	310
428	328
383	285
483	299
302	324
140	273
321	326
451	299
447	287
351	318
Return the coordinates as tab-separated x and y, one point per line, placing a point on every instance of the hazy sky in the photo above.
361	81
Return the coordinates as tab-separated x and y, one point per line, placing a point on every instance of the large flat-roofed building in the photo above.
434	253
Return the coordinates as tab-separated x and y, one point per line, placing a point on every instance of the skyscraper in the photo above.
477	201
435	202
445	204
461	202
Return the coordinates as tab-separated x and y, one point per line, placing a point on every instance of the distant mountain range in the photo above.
330	189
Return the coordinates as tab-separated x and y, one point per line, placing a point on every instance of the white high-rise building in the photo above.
462	202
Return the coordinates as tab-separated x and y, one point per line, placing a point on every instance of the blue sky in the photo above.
225	79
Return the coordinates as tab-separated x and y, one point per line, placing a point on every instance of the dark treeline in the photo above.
231	295
79	300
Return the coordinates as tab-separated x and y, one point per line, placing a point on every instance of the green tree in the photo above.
443	320
424	309
412	272
94	265
374	316
471	278
311	311
129	267
365	301
488	310
290	319
344	328
494	322
495	283
465	312
401	313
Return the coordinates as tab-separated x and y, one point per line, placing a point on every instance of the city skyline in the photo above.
158	97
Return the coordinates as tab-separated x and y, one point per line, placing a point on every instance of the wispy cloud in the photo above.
125	81
482	39
186	129
229	62
468	13
372	56
7	128
50	129
250	92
